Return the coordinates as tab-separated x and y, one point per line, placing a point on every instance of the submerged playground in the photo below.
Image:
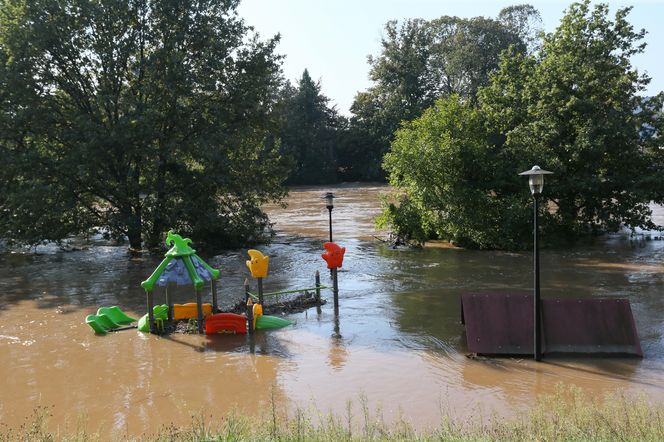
181	266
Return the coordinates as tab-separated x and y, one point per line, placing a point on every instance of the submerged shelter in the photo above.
181	266
503	324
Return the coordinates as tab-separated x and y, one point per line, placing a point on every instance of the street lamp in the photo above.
329	203
536	183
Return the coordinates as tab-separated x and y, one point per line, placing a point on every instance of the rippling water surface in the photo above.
398	340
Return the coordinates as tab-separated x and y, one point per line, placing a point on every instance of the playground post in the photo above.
334	256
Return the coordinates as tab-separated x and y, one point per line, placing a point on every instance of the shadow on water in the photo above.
261	342
613	368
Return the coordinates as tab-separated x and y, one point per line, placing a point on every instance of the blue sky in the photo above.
332	38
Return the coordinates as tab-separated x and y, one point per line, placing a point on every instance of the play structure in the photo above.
226	323
181	266
108	319
258	266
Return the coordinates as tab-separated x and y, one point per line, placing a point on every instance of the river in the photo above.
398	341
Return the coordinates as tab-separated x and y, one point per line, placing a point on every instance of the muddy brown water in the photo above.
398	342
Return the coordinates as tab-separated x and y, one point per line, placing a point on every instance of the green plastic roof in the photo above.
180	250
180	245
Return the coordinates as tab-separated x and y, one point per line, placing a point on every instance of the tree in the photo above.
652	134
135	117
449	180
578	111
420	62
525	21
572	107
310	133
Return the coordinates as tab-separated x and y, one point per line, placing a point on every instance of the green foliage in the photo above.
573	108
406	220
310	134
525	21
442	162
135	117
421	61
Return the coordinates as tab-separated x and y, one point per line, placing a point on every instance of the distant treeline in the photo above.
132	117
420	61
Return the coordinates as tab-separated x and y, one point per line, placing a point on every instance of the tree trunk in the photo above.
155	238
134	230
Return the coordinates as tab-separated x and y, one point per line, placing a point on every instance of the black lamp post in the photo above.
536	183
329	203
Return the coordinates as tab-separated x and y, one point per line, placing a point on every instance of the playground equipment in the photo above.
181	266
190	311
334	256
265	322
159	314
257	264
258	267
240	324
226	323
108	319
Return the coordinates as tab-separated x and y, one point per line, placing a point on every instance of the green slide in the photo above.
160	312
116	315
268	322
108	318
100	323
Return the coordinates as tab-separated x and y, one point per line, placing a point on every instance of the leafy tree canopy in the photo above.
525	21
135	117
310	134
573	108
424	60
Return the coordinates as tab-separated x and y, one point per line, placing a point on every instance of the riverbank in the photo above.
568	415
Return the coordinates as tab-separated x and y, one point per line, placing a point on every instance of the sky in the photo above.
332	38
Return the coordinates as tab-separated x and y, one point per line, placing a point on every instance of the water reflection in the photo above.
337	353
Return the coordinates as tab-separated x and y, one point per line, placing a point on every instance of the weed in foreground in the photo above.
568	415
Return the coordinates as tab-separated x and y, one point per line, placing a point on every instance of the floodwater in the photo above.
398	341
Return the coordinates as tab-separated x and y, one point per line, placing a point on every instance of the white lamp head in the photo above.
329	200
536	179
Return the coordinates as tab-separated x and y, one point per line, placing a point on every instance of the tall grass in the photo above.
567	415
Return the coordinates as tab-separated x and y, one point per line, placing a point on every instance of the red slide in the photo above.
226	323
